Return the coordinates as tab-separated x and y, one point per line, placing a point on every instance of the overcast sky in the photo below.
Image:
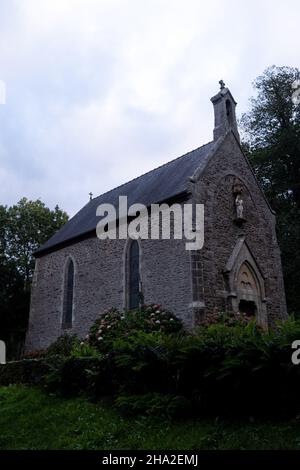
101	91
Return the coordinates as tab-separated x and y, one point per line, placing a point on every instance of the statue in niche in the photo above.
237	189
239	203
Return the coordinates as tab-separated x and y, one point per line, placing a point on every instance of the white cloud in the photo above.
100	91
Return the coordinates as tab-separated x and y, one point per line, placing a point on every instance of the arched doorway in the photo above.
245	284
248	292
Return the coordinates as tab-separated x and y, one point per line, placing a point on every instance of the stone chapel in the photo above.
77	276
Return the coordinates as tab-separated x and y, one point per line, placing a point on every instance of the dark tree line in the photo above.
23	228
272	142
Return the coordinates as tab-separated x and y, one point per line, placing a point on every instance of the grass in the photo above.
30	419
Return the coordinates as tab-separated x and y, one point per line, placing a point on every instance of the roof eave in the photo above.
92	233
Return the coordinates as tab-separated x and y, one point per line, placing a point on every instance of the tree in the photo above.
23	228
29	224
272	141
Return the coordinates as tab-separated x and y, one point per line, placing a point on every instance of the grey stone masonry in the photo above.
213	187
100	284
237	270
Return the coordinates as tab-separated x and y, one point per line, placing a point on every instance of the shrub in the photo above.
222	368
142	362
240	369
70	376
230	366
113	325
84	349
63	346
226	318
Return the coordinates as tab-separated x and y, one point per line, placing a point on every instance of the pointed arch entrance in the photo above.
248	290
245	283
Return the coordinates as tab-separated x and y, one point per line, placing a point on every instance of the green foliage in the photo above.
113	325
226	318
74	367
28	225
155	404
273	110
83	349
237	366
225	368
222	369
30	419
63	346
272	142
23	228
70	376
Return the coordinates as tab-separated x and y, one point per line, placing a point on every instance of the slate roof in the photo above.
156	186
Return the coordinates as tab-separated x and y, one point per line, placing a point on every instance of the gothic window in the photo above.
68	295
247	285
133	275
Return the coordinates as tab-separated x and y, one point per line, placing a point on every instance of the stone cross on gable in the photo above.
222	84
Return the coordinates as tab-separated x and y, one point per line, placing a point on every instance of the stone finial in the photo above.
91	196
222	84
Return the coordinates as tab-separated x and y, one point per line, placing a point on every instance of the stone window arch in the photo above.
68	300
133	279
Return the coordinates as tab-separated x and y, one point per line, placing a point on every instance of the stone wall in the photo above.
100	284
214	188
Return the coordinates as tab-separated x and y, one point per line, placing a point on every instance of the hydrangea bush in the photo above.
226	318
112	324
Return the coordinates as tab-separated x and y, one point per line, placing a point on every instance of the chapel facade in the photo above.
238	269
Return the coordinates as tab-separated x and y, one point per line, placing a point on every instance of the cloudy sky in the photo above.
100	91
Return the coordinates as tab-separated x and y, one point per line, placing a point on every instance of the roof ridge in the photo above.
174	173
143	174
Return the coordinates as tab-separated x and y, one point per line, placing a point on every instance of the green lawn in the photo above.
30	419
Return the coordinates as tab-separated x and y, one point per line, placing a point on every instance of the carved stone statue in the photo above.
239	206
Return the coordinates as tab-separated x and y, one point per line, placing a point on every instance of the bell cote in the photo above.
224	110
